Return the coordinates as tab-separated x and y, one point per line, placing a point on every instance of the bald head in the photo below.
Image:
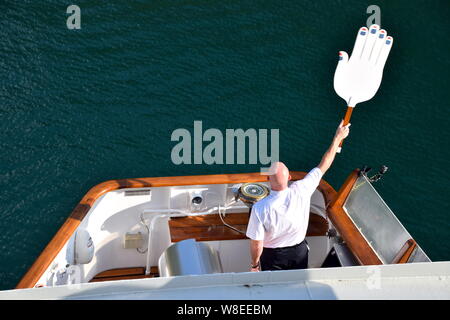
279	176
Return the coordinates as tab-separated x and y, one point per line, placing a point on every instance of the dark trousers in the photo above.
294	257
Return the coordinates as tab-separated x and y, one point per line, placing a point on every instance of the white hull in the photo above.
429	280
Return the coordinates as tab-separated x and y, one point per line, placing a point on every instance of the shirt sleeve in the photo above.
255	228
309	183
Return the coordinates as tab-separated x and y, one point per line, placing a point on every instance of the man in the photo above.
278	223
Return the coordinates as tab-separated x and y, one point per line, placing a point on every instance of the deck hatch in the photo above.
377	223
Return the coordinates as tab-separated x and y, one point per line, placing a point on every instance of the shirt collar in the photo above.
276	193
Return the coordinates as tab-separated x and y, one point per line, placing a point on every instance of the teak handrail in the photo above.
41	264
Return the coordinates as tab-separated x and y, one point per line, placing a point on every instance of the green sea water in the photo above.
79	107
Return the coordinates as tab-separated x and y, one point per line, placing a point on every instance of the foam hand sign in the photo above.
358	78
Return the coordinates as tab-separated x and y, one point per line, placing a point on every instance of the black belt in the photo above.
289	247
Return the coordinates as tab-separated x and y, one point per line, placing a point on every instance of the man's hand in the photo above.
255	267
256	249
328	158
342	132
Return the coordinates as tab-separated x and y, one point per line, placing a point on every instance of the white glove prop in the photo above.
357	79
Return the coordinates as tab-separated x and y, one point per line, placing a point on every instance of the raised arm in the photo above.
327	159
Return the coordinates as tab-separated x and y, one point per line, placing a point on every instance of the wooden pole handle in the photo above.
348	115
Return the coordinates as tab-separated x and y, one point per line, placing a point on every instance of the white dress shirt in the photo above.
281	219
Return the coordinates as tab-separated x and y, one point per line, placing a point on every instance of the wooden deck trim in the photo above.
405	252
127	277
211	228
236	218
208	227
125	274
347	229
55	245
121	272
